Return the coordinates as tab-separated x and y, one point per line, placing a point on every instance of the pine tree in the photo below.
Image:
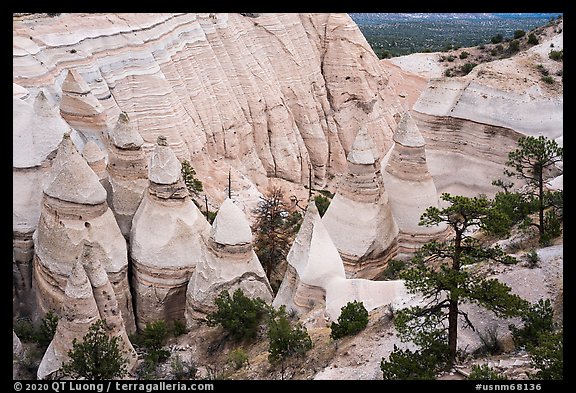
97	356
440	275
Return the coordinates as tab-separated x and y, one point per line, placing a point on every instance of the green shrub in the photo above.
514	46
537	319
179	328
189	175
98	356
450	58
393	269
532	40
556	55
543	70
548	79
532	258
239	315
25	330
286	340
410	365
519	33
466	68
484	372
490	342
47	329
238	358
464	54
499	47
497	39
353	319
548	356
322	204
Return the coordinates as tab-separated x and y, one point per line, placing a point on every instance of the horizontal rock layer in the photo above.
272	94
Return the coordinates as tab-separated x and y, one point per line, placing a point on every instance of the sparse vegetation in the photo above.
322	204
519	33
352	320
548	79
484	372
194	185
239	315
238	358
548	356
532	39
466	68
490	342
182	370
464	54
497	39
532	258
514	46
537	320
393	269
556	55
273	236
98	356
41	334
285	340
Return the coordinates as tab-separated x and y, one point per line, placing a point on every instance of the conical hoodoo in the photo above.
359	218
128	172
165	241
229	262
411	187
74	210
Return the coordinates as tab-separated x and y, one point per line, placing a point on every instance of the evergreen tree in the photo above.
97	356
533	162
439	274
285	340
272	232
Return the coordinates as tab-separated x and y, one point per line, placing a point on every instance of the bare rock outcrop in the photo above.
128	172
315	276
82	110
37	130
79	312
89	298
74	210
165	241
410	187
359	218
313	261
228	262
271	95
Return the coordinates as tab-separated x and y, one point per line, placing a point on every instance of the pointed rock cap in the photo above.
230	226
123	135
78	286
42	106
72	179
407	133
313	254
92	152
361	152
74	83
164	166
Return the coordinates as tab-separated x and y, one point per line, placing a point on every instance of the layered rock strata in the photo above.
128	172
271	95
82	110
79	312
165	241
410	187
228	262
37	130
74	210
359	218
315	276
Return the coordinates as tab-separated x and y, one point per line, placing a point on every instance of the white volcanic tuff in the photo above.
410	187
128	172
359	218
471	100
250	90
37	130
82	110
79	312
74	209
313	261
228	262
96	159
315	276
165	240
